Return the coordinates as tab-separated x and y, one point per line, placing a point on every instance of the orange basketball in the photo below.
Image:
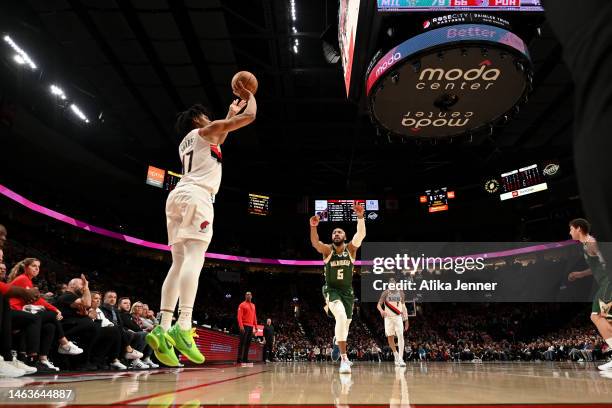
248	80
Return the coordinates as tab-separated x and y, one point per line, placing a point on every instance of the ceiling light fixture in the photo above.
22	57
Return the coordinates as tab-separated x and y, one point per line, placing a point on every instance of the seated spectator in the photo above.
112	314
139	335
22	275
149	315
10	366
2	271
97	342
98	316
138	316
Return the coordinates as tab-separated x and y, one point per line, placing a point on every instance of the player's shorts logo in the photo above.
204	226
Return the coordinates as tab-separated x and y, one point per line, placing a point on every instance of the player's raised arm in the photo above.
217	130
321	248
361	230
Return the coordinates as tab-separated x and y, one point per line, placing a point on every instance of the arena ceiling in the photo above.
138	62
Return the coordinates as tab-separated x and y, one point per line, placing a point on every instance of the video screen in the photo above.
459	5
259	204
342	210
437	200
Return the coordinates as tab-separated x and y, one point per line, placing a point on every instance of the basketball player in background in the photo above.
339	259
602	300
189	217
395	315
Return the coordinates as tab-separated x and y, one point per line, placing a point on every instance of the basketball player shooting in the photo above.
339	259
189	218
395	316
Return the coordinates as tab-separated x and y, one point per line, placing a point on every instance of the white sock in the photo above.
609	341
184	320
344	357
396	355
166	320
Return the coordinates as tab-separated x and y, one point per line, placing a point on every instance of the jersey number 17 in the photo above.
188	168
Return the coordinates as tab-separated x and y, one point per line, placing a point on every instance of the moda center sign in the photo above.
449	81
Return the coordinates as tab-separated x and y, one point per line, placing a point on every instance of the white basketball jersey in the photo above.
201	163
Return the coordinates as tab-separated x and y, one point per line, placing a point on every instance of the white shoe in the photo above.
345	367
117	365
401	363
22	366
49	365
70	349
137	364
8	370
150	363
133	355
606	367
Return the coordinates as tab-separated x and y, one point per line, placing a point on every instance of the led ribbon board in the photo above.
449	81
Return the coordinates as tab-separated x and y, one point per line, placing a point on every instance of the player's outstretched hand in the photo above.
314	221
236	107
359	210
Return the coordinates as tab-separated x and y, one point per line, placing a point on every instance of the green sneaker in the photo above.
183	342
162	344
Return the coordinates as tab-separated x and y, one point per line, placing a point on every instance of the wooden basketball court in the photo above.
294	384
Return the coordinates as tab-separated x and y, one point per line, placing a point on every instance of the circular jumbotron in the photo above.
450	81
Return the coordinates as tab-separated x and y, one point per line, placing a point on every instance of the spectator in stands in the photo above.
149	315
60	289
112	314
247	322
138	316
74	305
138	335
2	271
22	274
97	315
268	341
3	234
10	366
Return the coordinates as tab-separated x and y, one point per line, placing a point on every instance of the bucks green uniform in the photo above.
600	274
339	279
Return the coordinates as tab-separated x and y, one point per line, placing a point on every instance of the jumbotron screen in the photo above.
259	204
459	5
521	182
342	210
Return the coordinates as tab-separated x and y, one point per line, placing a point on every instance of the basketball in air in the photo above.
248	80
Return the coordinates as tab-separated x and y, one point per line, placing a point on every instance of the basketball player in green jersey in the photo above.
339	259
602	301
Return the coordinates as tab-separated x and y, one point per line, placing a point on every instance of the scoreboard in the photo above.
521	182
437	200
342	210
459	5
259	204
166	180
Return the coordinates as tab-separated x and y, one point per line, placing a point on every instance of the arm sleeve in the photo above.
240	323
47	305
360	234
254	318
